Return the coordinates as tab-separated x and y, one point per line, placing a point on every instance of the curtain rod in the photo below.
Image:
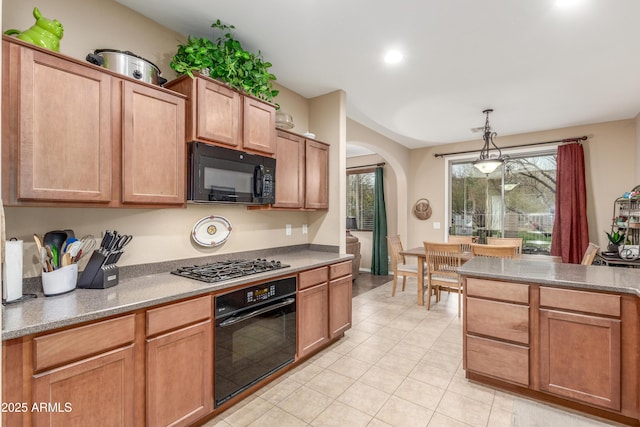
566	140
366	166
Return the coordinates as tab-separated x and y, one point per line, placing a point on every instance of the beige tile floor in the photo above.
399	365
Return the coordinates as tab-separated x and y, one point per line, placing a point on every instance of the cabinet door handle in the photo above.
236	319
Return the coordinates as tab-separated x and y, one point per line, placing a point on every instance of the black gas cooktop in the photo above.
225	270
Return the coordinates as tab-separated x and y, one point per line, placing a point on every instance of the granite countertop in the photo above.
81	305
589	277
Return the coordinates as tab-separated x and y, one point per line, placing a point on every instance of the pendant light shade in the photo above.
485	163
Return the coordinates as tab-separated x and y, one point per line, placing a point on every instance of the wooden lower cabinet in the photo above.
497	359
98	391
313	319
580	346
496	330
574	347
179	360
180	376
151	367
340	293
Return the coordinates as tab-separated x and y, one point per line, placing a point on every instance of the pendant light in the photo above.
485	163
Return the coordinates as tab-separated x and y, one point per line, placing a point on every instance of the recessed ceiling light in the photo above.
393	57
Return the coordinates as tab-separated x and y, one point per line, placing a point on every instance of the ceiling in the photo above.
538	65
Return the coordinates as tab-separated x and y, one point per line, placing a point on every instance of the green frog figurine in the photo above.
45	33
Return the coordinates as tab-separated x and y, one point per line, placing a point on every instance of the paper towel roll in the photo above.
12	271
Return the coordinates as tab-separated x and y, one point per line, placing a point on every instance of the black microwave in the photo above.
223	175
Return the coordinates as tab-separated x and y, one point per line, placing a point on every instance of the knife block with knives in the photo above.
102	272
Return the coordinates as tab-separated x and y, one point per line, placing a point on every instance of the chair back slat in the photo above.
443	262
506	241
590	254
464	241
497	251
395	247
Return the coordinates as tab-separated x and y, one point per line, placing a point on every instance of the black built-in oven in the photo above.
255	335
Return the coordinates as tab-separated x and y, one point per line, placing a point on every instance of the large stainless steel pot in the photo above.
127	63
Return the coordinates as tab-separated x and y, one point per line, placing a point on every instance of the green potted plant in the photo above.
615	239
225	59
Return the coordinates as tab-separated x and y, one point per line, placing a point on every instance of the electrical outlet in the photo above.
287	229
305	229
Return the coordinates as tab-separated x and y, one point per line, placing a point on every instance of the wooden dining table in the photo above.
421	256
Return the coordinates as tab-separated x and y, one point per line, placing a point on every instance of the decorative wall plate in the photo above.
422	209
211	231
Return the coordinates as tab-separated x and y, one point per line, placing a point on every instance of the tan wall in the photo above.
99	24
391	203
397	166
292	103
611	169
327	118
165	234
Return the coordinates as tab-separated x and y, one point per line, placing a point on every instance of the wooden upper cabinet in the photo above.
57	140
302	173
258	127
218	114
290	171
81	135
153	149
316	175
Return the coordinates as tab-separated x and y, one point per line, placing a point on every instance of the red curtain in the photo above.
570	230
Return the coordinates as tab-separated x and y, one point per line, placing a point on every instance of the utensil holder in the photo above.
101	271
60	281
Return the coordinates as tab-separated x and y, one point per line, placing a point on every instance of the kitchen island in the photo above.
563	333
109	356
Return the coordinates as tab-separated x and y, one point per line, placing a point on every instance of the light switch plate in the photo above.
305	229
287	230
436	225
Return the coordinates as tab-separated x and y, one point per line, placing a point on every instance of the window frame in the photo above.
469	157
359	171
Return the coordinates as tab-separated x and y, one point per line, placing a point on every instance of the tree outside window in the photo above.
360	197
527	209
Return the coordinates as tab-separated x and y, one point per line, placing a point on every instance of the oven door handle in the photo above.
234	320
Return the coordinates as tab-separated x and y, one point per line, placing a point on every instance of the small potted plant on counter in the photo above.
615	239
226	60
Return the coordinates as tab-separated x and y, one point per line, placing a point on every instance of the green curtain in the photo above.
380	254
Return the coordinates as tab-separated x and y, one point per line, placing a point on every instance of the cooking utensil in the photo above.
38	241
127	63
44	260
67	243
88	243
73	249
55	257
55	240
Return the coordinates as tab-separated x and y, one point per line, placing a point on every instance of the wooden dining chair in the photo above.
507	241
443	261
496	251
590	254
400	267
464	241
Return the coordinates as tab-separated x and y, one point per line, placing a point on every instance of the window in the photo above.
517	200
360	196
